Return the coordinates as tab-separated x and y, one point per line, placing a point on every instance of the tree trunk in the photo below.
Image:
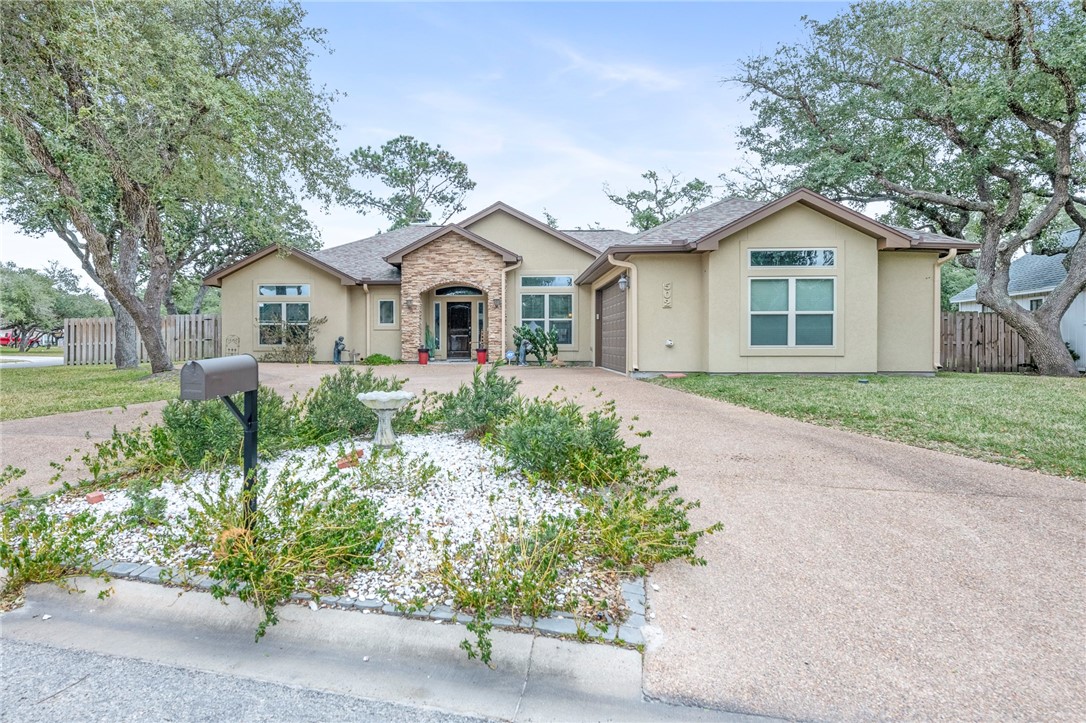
198	300
126	347
1049	351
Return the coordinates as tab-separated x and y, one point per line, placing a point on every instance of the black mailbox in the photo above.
219	377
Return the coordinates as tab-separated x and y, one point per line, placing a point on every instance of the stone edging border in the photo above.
558	624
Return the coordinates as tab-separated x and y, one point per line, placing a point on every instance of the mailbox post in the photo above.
220	377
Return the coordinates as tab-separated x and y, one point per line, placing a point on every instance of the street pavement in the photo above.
855	578
42	683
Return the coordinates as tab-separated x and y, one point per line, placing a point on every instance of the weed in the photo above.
38	547
146	510
640	524
307	534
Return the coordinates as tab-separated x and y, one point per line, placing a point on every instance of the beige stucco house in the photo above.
800	284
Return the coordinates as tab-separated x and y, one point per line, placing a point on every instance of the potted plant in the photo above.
424	351
480	354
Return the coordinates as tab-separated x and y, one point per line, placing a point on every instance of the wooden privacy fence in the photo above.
981	342
187	336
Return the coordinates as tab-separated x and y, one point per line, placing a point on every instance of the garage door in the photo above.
611	335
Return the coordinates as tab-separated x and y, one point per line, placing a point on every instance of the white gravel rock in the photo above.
466	504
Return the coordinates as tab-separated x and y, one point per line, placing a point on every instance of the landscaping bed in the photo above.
490	506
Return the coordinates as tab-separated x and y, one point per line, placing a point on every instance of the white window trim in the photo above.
282	301
836	253
283	283
536	275
791	313
545	291
395	314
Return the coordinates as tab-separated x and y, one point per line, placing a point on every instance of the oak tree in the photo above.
118	113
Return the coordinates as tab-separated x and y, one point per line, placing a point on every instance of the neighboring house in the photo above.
800	284
1032	278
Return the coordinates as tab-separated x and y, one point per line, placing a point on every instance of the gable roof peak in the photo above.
534	222
396	257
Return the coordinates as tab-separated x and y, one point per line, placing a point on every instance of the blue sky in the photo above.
545	102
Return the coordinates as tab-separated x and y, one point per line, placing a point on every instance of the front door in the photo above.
459	346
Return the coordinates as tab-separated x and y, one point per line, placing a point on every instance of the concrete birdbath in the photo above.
385	404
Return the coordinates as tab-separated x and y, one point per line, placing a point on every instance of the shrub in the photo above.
378	360
520	572
478	409
306	535
299	346
640	524
543	344
556	442
208	433
332	410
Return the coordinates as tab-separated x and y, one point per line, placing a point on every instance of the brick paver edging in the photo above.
558	624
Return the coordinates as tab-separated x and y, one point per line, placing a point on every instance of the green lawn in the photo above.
1023	421
52	390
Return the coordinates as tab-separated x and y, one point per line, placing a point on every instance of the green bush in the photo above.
544	344
479	408
556	442
378	360
640	524
208	433
332	410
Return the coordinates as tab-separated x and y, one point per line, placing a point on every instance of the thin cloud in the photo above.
618	73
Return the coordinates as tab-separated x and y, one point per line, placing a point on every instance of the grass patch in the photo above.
1029	422
55	390
36	351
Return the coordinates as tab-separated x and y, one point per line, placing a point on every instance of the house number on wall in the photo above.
667	294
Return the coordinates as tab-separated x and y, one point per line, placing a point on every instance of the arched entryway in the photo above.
459	321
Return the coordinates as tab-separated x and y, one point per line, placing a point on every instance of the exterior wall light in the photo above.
497	303
623	283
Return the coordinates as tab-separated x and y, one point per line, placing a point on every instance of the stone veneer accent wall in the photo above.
450	260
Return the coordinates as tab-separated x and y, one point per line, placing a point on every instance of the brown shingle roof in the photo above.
364	259
696	224
598	238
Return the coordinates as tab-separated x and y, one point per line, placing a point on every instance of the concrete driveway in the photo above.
855	578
